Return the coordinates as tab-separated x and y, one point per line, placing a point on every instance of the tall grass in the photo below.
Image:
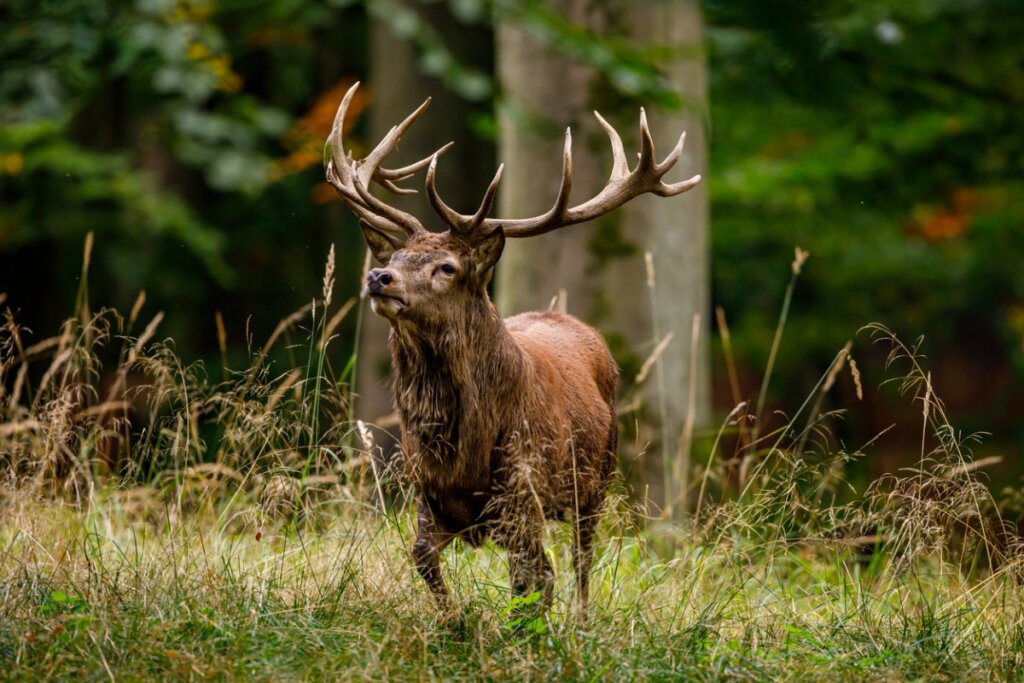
159	524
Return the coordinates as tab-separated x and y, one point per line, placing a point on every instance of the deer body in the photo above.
464	408
505	424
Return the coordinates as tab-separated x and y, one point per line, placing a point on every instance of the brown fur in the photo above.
504	423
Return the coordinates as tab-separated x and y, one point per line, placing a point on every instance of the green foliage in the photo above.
158	124
195	539
629	70
435	56
885	138
200	574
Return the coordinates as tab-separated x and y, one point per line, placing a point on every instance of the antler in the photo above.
622	186
351	178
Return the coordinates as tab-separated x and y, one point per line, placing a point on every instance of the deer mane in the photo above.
445	387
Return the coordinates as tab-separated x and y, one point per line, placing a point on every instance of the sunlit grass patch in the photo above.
93	589
169	525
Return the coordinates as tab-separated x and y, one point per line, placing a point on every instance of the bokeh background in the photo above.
885	137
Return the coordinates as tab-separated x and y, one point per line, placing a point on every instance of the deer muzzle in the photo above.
385	298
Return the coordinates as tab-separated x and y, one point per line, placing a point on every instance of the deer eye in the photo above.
447	269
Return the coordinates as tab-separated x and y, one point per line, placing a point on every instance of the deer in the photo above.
505	424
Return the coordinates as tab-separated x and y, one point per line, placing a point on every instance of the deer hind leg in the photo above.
583	557
587	519
426	553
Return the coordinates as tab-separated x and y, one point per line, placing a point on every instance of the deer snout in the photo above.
382	282
378	279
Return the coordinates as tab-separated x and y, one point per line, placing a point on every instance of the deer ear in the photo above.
381	244
486	254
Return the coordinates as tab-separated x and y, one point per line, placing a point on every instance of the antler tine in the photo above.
351	178
470	226
623	185
460	224
557	212
407	221
620	166
486	203
647	160
354	203
399	174
335	142
671	189
672	157
387	177
453	218
368	167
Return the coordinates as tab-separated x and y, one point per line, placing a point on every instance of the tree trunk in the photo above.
397	87
601	266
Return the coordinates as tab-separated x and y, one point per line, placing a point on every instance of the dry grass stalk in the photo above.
15	428
799	258
87	252
101	409
335	320
837	367
14	330
730	360
855	375
19	383
38	349
328	284
284	325
388	421
56	366
145	337
367	262
686	436
974	465
651	359
290	379
140	301
222	338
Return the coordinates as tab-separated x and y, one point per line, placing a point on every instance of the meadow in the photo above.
164	519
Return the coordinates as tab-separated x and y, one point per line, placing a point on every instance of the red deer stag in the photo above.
504	423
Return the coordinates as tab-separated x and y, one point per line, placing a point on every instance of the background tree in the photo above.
601	267
884	136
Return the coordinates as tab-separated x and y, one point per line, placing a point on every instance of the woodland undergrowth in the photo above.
160	518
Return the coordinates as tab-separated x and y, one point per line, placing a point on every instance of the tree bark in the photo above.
601	266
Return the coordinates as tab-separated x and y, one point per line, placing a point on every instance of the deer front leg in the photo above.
529	570
426	553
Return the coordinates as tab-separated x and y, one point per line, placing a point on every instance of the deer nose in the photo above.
378	278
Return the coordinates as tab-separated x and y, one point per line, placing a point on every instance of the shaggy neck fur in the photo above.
444	379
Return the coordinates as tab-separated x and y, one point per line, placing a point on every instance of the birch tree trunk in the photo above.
601	266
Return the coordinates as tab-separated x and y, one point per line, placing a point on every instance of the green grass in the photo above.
160	525
116	588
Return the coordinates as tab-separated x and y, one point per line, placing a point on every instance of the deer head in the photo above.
429	276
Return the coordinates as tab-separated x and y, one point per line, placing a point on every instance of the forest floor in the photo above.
160	522
137	585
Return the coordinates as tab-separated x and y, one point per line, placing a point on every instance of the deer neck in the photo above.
445	381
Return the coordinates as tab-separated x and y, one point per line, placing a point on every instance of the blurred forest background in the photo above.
885	137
